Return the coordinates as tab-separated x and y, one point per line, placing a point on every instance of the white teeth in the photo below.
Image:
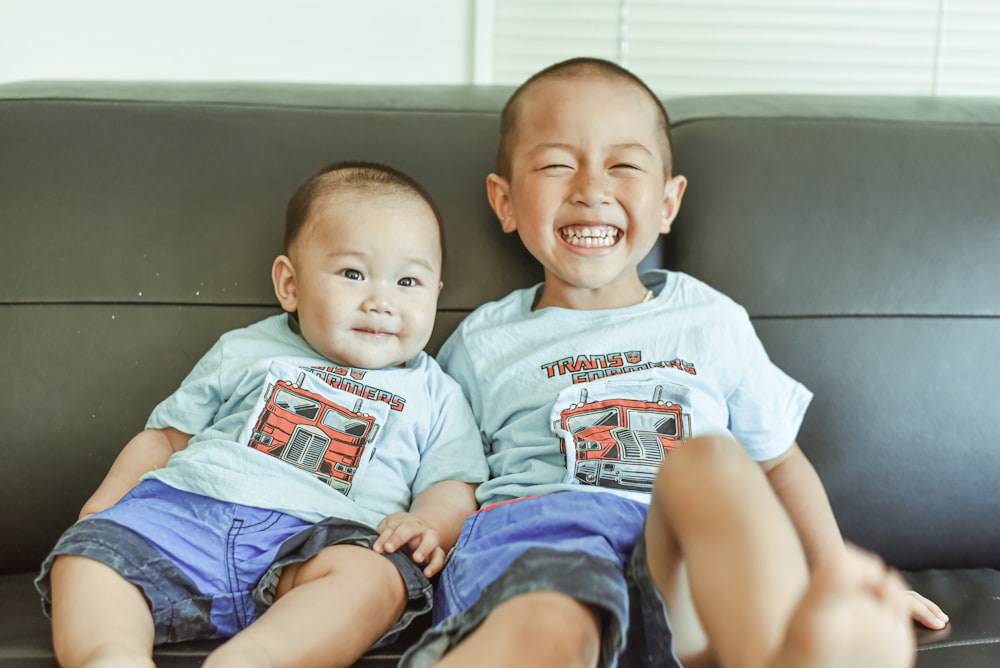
591	236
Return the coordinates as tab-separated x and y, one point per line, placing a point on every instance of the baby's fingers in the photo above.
435	563
397	536
387	540
424	546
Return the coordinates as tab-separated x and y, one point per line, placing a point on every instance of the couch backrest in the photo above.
863	236
141	221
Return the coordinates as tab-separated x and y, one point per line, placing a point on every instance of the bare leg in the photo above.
713	508
98	618
536	630
714	512
328	611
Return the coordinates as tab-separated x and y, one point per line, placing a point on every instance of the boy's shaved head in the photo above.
569	69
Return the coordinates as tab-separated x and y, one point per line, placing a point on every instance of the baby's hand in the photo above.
411	530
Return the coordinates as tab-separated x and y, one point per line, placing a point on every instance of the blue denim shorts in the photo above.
209	568
587	545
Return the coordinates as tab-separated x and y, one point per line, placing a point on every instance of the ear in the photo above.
498	192
283	277
673	192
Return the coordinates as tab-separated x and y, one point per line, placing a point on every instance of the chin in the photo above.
374	362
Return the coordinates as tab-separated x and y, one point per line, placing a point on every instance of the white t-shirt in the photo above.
277	426
590	400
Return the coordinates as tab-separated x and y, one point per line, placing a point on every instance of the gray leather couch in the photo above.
863	235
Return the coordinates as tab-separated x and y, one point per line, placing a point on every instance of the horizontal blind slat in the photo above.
787	46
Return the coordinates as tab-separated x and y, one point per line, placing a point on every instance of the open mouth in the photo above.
590	236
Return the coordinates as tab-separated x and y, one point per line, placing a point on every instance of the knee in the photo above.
556	623
346	565
703	462
711	453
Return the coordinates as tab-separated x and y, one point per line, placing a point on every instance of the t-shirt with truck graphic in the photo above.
314	433
615	435
277	426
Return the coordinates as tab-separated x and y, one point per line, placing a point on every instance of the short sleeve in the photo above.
766	407
453	450
195	404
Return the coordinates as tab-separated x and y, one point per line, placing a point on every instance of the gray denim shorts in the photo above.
209	568
588	546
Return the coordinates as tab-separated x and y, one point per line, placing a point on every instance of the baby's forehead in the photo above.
342	206
346	200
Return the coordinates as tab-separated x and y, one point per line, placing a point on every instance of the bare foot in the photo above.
855	614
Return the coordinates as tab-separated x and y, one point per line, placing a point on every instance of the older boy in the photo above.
329	469
622	416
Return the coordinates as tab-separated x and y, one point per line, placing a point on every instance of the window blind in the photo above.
683	47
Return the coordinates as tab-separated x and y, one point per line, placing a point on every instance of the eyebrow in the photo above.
421	262
537	148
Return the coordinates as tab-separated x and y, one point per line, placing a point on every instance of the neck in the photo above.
592	299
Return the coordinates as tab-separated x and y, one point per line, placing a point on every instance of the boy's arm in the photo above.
432	525
798	487
801	492
148	450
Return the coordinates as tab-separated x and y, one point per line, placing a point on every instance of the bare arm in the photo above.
444	506
801	492
432	525
148	450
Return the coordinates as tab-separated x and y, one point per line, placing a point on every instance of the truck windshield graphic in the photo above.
309	431
620	443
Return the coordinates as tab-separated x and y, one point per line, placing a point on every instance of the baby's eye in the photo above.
626	165
409	282
352	274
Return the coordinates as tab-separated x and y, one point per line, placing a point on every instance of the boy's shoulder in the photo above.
680	288
484	319
513	308
672	289
511	317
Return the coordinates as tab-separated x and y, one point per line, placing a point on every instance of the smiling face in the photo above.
587	192
364	276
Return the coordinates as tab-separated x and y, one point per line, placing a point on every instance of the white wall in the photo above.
343	41
925	47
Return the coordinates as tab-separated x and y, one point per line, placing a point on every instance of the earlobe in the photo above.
498	192
283	277
673	192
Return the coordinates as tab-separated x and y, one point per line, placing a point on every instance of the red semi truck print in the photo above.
621	442
310	432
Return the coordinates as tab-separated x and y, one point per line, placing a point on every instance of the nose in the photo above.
377	301
591	187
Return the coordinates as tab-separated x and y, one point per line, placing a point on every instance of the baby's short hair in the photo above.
576	67
352	177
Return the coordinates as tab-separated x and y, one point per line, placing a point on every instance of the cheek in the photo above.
324	309
536	199
422	314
